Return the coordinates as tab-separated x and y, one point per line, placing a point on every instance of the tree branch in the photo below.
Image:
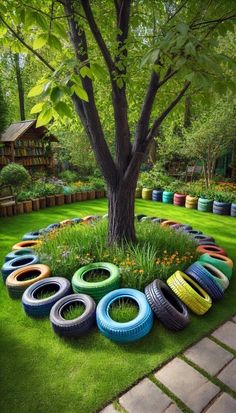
159	119
207	22
27	46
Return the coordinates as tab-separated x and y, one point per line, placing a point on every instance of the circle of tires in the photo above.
168	308
36	307
77	326
132	330
96	289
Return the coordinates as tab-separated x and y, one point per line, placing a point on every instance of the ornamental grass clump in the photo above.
157	254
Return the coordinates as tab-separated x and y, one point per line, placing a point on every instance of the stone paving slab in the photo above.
145	397
224	404
226	334
109	409
173	408
187	384
234	318
228	375
209	356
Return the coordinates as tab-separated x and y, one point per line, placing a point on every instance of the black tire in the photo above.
199	274
140	216
168	308
36	307
77	326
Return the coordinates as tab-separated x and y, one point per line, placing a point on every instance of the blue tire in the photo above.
233	210
36	307
157	195
203	239
31	235
133	330
185	227
202	277
192	232
76	220
19	253
17	263
167	197
53	226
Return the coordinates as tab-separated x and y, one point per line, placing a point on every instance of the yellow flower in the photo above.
141	271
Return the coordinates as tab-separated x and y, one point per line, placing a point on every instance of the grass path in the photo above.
41	373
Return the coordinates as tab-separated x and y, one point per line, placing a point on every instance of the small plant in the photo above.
15	176
123	310
68	176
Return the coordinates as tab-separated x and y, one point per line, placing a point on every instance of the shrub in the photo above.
157	254
68	176
154	179
14	175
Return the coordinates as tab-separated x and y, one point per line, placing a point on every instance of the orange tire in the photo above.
25	244
16	284
207	249
66	222
168	223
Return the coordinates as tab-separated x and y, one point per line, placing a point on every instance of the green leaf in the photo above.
40	41
36	90
190	49
37	108
44	117
56	94
180	62
86	71
3	31
63	109
54	42
76	79
59	29
182	28
150	57
119	82
190	76
80	92
98	71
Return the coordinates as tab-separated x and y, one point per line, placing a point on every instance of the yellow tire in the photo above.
147	193
190	293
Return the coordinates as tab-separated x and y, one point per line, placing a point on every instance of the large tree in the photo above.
176	41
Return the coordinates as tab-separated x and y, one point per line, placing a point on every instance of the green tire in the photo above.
220	265
96	290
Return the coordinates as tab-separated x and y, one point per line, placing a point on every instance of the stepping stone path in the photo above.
185	380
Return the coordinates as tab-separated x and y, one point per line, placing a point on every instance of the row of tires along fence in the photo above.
187	201
195	289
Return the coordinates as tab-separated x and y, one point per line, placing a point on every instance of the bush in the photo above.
154	179
14	175
158	253
68	176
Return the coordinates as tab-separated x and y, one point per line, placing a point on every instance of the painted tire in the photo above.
218	276
233	210
191	202
192	232
221	208
208	248
158	220
35	307
19	253
157	195
132	330
17	263
146	193
31	235
179	199
16	287
146	219
53	226
76	220
168	223
78	326
65	222
185	227
167	197
197	272
205	205
140	216
219	262
96	289
181	284
168	308
138	193
203	238
25	244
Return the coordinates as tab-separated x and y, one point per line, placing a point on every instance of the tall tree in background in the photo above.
3	110
20	87
177	51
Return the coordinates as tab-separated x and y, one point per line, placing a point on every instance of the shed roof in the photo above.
17	129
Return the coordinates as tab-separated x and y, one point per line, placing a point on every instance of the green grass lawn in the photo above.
43	373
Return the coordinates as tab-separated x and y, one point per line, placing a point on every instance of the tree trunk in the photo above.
187	113
121	201
20	87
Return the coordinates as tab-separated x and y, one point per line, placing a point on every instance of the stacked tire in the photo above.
157	195
221	208
233	210
205	205
138	193
191	202
167	197
146	193
179	199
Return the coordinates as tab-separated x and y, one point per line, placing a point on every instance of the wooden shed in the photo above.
27	145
